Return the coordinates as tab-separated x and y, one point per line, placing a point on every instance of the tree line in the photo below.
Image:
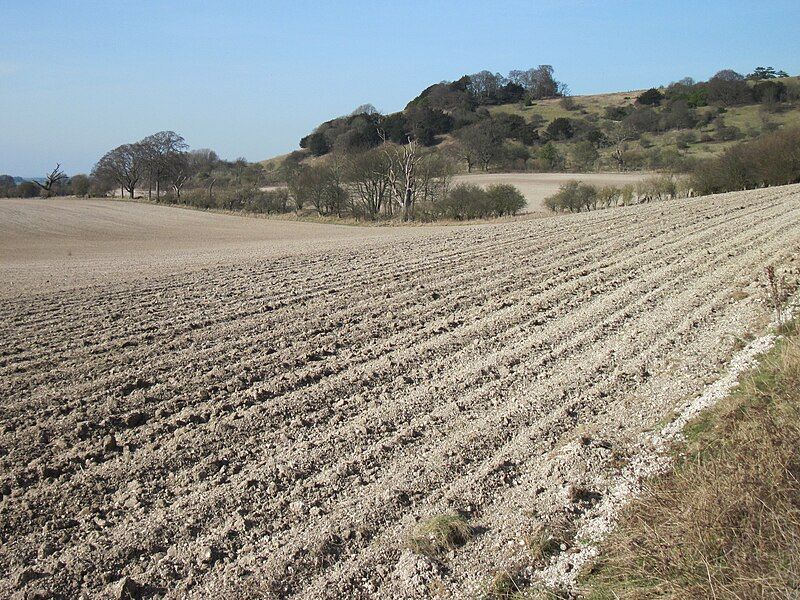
392	181
771	159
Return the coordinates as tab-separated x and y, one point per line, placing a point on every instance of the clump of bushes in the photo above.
576	196
468	201
771	159
238	199
573	196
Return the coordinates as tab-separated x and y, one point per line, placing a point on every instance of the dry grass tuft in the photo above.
726	522
502	587
439	535
505	587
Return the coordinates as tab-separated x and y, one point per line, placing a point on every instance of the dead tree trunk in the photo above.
402	175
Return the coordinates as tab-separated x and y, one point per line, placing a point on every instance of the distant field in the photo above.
65	242
538	186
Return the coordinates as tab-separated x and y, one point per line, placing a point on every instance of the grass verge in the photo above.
725	522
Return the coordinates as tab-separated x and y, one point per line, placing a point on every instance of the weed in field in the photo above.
502	587
779	290
546	543
505	587
439	535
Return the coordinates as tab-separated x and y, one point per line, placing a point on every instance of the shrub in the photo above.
573	196
626	194
26	189
658	187
568	103
505	199
616	113
684	138
608	195
464	201
559	129
651	97
468	201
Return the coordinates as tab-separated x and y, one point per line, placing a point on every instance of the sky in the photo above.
250	78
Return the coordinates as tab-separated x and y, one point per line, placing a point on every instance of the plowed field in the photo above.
276	424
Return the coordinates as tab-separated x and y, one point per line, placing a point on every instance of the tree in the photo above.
538	82
770	92
485	85
179	167
728	88
52	181
317	143
618	136
481	143
124	165
550	156
162	153
651	97
434	173
727	75
316	185
7	185
366	173
365	109
678	115
395	127
26	189
427	123
766	73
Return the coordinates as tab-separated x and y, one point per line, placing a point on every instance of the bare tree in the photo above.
317	185
618	136
538	82
402	163
366	173
179	167
124	165
481	142
52	180
434	175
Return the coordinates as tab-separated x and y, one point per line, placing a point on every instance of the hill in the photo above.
527	121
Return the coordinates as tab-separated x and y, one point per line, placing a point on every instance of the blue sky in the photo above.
250	78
